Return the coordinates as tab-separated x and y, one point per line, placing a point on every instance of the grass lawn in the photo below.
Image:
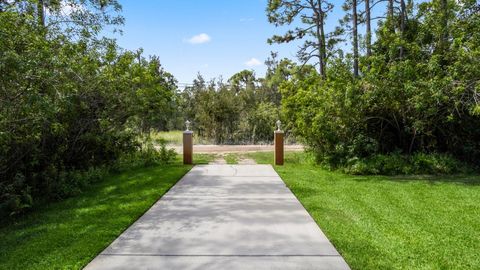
378	222
70	233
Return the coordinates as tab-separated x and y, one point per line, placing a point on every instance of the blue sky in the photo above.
233	32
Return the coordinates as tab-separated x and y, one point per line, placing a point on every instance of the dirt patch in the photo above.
219	160
246	161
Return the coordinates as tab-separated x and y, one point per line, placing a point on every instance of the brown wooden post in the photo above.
278	138
188	145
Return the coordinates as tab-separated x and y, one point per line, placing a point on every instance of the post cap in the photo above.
279	123
187	124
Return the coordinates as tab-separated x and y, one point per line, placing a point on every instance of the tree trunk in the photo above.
443	42
369	28
323	49
319	20
403	15
355	38
40	13
320	56
390	15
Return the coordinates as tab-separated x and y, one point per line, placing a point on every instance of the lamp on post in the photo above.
187	144
278	139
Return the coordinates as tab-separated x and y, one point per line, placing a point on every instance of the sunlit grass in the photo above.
378	222
70	233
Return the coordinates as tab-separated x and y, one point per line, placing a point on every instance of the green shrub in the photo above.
59	183
79	112
150	153
395	163
14	197
71	183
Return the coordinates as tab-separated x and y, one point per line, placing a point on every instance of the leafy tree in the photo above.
419	94
312	14
352	29
70	101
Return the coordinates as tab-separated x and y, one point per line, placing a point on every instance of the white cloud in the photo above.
247	19
253	62
199	39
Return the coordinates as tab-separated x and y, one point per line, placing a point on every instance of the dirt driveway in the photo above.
205	149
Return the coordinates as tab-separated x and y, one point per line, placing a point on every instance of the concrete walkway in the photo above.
224	217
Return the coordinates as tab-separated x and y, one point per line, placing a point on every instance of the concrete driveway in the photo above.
224	217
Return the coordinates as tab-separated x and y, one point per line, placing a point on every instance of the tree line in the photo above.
241	110
408	86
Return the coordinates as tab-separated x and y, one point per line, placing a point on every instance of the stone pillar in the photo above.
188	145
278	138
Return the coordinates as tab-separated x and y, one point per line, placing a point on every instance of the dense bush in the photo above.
424	100
71	103
395	164
150	153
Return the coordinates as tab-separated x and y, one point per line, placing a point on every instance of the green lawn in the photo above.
377	222
70	233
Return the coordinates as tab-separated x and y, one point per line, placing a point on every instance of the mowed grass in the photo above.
378	222
70	233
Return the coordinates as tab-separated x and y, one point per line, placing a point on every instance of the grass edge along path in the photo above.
380	222
70	233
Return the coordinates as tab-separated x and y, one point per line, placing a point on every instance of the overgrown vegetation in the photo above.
407	90
72	102
381	222
414	93
398	164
